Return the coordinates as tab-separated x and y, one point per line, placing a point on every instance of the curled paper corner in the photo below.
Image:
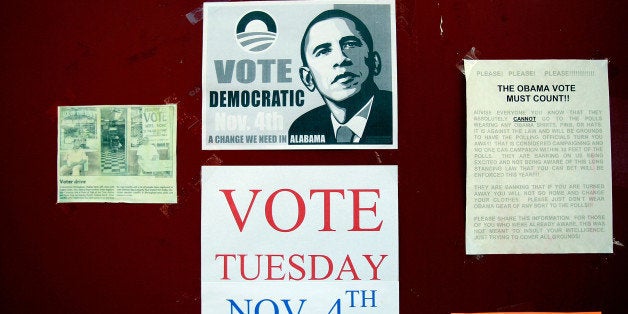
472	54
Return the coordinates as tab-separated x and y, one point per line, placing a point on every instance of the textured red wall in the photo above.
120	258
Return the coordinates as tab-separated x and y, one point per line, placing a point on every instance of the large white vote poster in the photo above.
299	239
538	157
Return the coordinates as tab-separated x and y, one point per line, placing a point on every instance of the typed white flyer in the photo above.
538	157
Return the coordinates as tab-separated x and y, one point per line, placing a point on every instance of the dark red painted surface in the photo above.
120	258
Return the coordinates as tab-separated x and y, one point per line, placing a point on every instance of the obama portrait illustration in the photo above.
339	62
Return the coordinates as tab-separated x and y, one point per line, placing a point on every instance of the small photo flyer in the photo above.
538	157
117	153
299	239
299	75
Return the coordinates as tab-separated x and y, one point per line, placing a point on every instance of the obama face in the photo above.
338	59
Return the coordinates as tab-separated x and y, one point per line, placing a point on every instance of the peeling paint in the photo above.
213	160
379	159
165	209
172	99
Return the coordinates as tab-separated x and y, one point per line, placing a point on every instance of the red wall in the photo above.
121	258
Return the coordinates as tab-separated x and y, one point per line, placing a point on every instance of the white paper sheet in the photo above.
323	238
538	157
258	93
